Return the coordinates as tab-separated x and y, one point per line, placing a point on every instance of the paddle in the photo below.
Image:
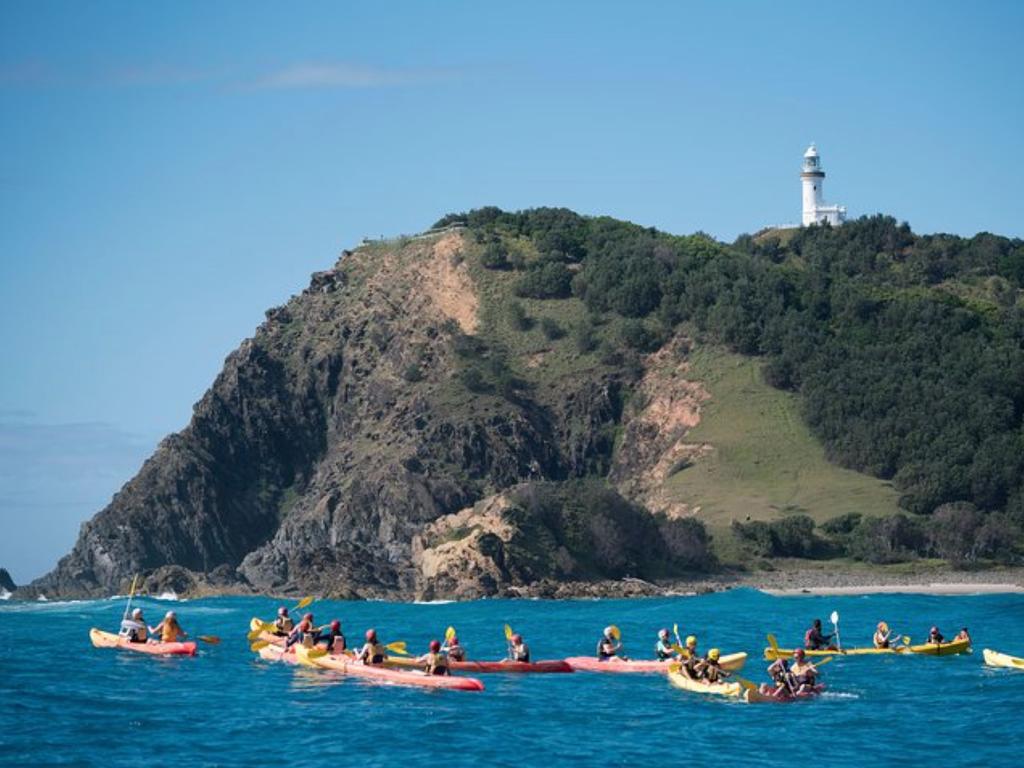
774	645
398	647
258	645
835	626
254	634
616	633
211	639
449	634
131	594
269	626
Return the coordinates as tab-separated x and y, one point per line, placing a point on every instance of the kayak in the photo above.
480	667
102	639
730	663
349	666
754	696
256	623
996	659
680	680
925	649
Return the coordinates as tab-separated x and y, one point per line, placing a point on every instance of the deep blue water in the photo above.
66	703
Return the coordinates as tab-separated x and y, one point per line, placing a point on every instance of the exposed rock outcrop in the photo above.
6	582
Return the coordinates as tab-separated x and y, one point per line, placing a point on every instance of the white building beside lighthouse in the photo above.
812	177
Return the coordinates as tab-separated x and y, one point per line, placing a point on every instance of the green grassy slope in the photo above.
765	462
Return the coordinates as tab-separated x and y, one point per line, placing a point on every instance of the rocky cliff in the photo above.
365	440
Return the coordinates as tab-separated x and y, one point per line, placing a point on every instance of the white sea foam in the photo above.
42	598
4	594
167	596
433	602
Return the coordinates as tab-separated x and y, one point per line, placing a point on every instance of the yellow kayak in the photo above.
680	680
996	659
925	649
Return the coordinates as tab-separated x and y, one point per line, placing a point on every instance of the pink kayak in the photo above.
102	639
730	662
347	665
482	667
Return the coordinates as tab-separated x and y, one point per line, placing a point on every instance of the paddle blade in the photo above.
257	645
211	639
303	603
835	617
772	642
254	634
508	632
824	661
616	632
745	683
449	634
398	647
906	639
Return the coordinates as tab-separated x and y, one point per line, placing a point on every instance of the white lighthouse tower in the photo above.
812	177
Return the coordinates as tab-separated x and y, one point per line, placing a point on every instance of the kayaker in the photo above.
608	647
711	670
334	639
934	636
169	629
815	640
135	629
455	651
691	664
303	631
283	624
963	634
518	650
663	649
372	652
882	635
434	661
805	674
780	675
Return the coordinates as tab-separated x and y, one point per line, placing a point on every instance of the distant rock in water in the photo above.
6	582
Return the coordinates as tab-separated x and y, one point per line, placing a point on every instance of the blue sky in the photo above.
170	170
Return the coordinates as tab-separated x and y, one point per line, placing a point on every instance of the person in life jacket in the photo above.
303	633
435	662
805	674
169	629
814	640
455	651
934	636
517	649
283	624
372	651
882	635
782	678
663	649
691	664
334	640
134	629
608	647
710	669
963	634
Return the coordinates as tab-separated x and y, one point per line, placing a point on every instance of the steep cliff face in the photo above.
336	435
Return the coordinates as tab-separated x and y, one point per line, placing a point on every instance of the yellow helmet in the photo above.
713	654
691	641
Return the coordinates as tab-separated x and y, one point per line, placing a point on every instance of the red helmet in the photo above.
282	611
435	646
799	653
308	617
335	626
453	641
371	635
517	638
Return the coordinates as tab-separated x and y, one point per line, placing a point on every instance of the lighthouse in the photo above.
812	177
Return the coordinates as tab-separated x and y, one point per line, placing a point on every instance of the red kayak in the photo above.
730	662
755	696
102	639
481	667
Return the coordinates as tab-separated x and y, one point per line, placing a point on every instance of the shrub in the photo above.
551	329
547	280
495	256
517	317
891	539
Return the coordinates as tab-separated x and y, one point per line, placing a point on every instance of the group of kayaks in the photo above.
402	670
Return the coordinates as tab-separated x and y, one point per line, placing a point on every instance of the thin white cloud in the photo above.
343	75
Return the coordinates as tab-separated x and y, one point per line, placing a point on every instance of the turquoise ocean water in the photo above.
62	702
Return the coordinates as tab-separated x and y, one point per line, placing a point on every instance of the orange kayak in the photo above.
102	639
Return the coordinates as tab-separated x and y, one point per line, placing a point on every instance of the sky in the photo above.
168	171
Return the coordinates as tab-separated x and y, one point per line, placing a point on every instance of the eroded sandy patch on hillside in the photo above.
446	281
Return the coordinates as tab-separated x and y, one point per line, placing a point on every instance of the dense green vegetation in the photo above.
906	351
